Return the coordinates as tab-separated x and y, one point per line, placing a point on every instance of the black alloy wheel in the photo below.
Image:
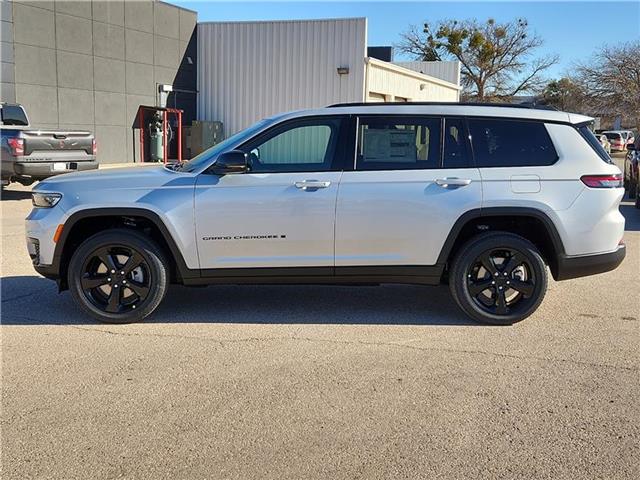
501	281
118	275
116	279
498	278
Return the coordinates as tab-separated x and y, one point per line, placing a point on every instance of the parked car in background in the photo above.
29	155
632	171
604	141
484	198
617	139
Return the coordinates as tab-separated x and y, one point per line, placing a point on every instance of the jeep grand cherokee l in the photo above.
486	198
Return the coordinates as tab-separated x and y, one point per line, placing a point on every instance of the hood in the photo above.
111	179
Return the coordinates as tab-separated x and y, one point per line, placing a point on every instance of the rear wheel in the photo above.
118	276
498	278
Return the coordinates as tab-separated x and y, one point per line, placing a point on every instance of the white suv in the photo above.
482	197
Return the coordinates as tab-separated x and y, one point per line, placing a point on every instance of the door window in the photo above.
456	153
305	146
387	143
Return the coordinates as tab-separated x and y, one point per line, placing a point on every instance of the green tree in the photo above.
564	94
496	59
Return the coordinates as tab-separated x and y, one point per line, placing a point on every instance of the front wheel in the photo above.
498	278
118	276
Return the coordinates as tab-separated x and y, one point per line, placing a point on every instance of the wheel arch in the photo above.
510	219
94	220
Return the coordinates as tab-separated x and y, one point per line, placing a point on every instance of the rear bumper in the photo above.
582	266
41	170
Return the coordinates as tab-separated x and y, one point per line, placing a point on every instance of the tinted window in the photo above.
305	146
613	136
398	143
456	154
510	143
591	139
13	115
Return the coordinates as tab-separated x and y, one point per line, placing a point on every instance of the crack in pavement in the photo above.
364	343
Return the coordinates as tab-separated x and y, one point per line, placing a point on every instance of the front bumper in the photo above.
584	265
42	170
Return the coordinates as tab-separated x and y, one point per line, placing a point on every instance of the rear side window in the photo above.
511	143
403	143
591	139
13	115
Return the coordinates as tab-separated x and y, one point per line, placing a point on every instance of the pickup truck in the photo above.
29	155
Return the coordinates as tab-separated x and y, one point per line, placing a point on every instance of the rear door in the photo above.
413	178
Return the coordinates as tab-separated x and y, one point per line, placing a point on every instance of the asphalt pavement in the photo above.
319	381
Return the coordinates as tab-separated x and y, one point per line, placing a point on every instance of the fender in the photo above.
54	270
501	212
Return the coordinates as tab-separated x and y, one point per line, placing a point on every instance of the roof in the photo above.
453	109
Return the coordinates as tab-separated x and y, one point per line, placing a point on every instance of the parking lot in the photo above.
319	382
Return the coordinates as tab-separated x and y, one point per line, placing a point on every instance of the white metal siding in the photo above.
393	81
252	70
448	71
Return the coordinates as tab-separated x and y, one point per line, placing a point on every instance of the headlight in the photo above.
45	200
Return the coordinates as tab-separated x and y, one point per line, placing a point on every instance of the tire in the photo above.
524	267
106	262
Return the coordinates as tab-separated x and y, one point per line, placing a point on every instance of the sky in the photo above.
573	30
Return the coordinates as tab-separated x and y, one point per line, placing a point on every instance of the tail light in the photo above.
94	147
16	145
602	181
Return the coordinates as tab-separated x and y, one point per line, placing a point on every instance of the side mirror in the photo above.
234	161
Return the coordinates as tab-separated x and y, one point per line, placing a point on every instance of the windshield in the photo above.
205	157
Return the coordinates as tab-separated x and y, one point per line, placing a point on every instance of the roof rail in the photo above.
469	104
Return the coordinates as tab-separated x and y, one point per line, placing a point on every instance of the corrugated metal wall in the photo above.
251	70
396	83
448	71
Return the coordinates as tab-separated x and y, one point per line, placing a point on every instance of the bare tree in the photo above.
611	80
496	58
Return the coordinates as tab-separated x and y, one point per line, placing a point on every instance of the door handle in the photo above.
311	184
449	182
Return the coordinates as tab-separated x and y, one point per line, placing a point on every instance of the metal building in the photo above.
251	70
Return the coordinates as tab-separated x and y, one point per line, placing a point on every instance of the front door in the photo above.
282	212
413	179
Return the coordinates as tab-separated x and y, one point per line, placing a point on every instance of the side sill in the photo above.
312	280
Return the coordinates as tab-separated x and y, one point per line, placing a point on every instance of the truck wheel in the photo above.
118	276
498	278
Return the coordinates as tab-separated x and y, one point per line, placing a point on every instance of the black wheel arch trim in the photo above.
489	212
54	270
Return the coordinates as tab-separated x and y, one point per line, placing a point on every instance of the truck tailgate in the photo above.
39	145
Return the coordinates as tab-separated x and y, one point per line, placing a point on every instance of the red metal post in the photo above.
141	126
164	136
180	136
